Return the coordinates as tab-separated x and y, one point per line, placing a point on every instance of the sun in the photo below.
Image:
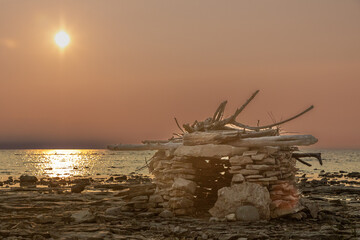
62	39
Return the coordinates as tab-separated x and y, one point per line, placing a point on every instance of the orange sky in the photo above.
132	66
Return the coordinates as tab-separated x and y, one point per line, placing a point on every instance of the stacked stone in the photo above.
175	189
272	167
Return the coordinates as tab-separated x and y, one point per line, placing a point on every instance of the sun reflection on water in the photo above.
64	163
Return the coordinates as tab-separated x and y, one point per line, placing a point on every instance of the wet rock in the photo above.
28	179
247	214
166	214
121	178
230	198
78	188
354	175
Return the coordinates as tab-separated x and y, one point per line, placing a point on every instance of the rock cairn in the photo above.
216	165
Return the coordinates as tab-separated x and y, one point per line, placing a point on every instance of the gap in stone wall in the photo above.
211	175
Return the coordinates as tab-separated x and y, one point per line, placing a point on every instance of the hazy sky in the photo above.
133	65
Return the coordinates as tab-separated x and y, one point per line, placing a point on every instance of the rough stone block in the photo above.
238	178
240	160
185	185
258	157
259	167
245	172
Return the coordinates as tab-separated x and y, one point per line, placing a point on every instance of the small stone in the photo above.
84	216
214	219
140	199
156	198
114	211
78	188
231	217
250	153
147	214
247	213
166	214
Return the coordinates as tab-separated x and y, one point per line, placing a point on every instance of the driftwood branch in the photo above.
223	136
287	140
274	124
306	155
237	112
219	112
303	162
177	123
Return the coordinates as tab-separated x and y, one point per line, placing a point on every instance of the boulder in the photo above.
247	214
185	185
231	198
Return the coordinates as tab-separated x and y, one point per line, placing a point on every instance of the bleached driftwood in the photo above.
223	136
217	123
287	140
209	150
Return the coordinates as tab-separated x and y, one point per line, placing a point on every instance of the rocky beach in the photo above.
115	207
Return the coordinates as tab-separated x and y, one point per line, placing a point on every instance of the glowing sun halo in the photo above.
62	39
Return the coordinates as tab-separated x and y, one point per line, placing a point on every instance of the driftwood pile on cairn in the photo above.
230	169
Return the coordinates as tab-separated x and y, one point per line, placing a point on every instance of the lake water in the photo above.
84	162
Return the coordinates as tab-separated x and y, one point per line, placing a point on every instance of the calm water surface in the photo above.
74	162
83	162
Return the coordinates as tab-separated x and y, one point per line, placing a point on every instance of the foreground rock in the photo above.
231	198
100	212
